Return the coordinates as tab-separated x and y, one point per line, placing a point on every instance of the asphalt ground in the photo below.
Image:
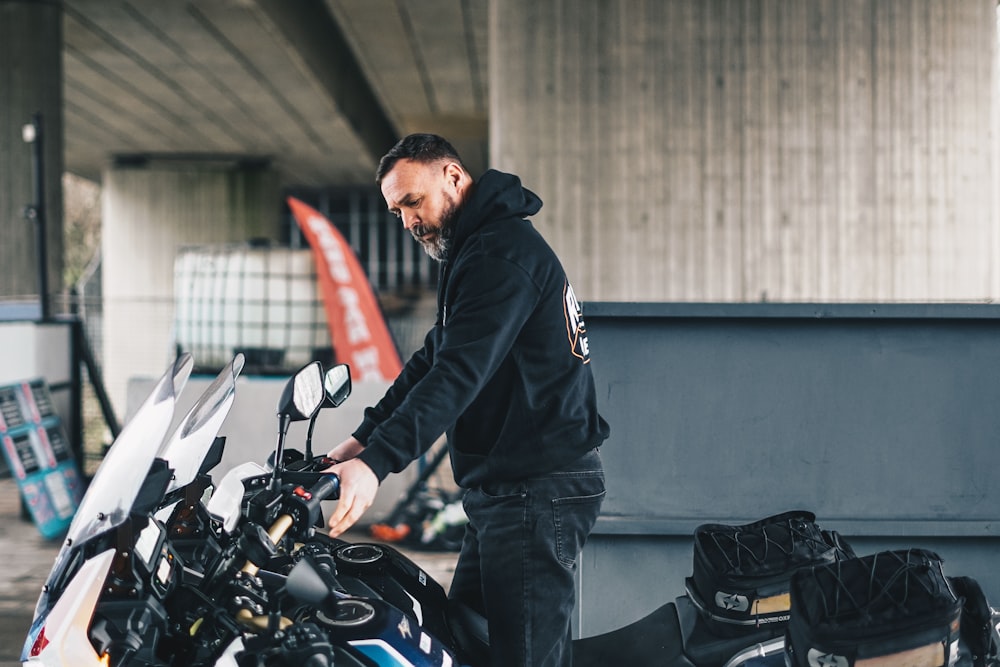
26	558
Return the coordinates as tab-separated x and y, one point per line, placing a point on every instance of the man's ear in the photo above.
455	175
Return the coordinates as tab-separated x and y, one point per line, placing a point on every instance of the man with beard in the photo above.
504	372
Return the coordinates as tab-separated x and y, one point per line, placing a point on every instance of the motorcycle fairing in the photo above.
228	657
381	652
224	505
67	641
389	638
116	484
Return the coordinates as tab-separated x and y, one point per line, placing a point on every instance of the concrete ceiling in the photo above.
321	88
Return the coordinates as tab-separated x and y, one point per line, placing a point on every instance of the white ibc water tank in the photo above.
259	300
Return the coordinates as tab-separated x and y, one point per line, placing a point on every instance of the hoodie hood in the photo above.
495	196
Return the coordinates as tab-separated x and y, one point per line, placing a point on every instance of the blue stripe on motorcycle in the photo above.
381	653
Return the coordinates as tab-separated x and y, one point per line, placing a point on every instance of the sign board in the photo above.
39	457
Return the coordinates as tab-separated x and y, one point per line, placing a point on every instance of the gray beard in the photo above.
439	247
438	250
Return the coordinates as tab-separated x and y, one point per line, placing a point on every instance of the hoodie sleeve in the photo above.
492	299
412	372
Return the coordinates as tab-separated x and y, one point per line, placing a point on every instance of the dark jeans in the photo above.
518	558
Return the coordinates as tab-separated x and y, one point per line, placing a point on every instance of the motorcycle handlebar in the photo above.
327	488
308	502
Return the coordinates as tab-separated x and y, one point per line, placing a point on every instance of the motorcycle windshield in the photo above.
185	450
116	484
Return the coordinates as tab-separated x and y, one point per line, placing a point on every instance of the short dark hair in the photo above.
419	148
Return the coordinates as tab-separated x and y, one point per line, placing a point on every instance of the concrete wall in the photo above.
30	82
707	150
149	212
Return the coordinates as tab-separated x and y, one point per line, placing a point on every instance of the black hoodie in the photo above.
505	369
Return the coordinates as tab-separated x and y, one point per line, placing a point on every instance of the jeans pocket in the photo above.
502	490
574	517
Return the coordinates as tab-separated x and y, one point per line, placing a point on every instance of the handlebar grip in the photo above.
327	488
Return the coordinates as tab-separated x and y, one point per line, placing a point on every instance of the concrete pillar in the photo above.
30	82
149	211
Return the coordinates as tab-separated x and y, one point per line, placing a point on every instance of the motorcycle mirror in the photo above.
300	400
303	394
336	389
337	384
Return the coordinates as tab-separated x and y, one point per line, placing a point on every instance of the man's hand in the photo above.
346	450
358	486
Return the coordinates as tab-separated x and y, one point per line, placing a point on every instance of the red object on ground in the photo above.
386	533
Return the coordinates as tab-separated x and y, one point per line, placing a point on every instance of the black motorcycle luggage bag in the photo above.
741	573
888	609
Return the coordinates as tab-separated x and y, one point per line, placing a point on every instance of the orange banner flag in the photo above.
358	330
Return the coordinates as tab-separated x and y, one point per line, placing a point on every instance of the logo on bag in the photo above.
732	601
821	659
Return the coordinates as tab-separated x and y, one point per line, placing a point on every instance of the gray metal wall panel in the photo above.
880	419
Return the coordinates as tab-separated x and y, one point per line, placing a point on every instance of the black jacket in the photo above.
505	369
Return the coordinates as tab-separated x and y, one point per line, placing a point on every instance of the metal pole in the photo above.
32	134
97	383
75	421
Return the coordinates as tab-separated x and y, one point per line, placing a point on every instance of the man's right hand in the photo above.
358	486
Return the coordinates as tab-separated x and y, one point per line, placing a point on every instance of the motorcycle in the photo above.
162	566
